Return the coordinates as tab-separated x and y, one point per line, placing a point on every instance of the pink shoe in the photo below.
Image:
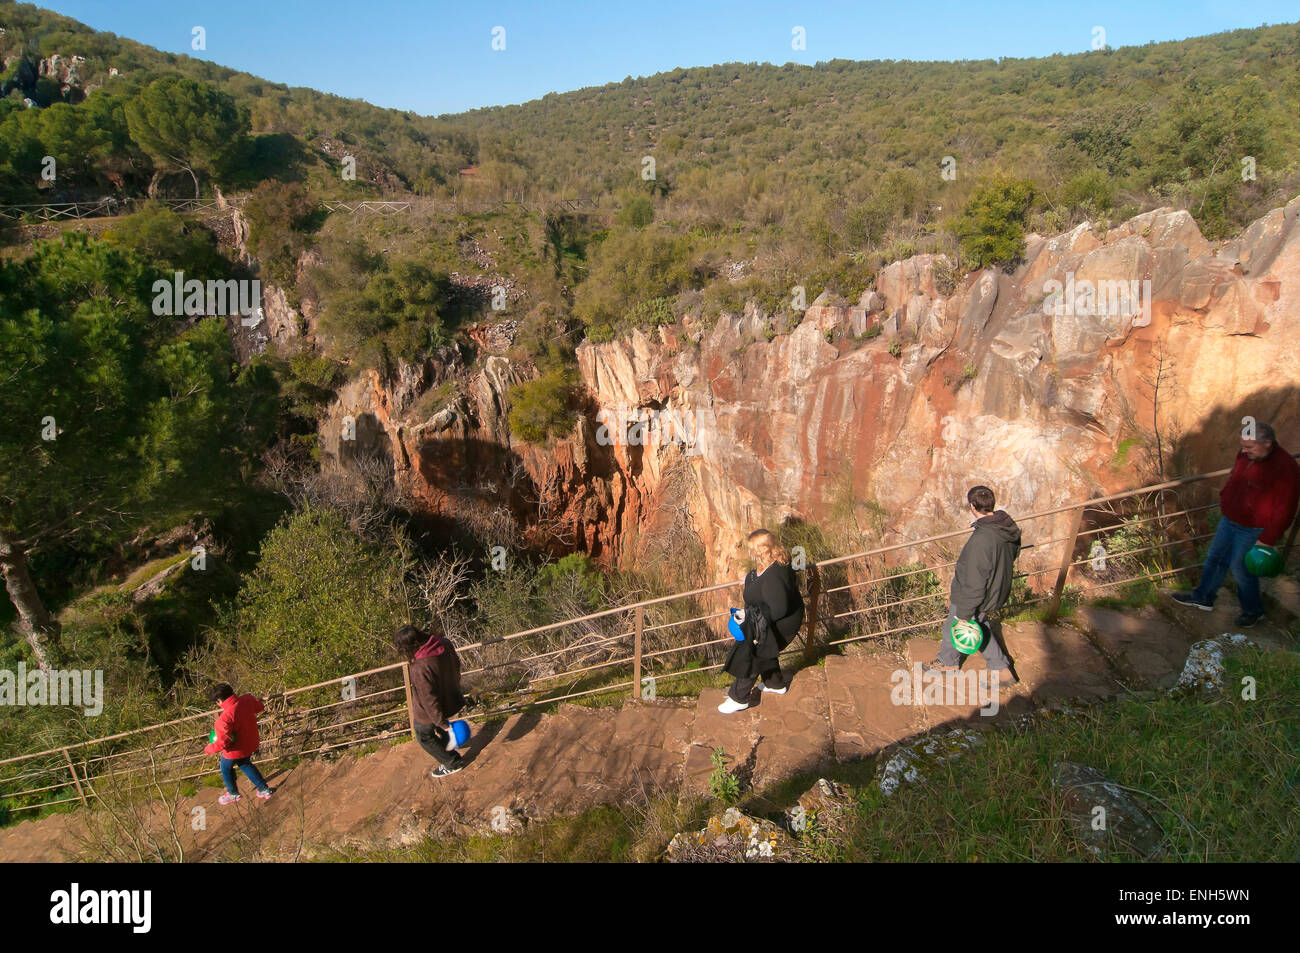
265	795
228	799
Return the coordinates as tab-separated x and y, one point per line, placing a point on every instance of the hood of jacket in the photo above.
1001	525
434	647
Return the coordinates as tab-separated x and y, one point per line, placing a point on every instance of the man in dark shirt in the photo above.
981	583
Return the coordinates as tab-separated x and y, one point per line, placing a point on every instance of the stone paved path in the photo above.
543	766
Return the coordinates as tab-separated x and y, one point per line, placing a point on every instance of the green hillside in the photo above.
763	177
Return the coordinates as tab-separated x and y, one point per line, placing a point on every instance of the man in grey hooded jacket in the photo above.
982	583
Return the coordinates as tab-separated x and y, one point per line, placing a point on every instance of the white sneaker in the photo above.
728	706
776	691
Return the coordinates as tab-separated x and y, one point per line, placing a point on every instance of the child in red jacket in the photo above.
237	741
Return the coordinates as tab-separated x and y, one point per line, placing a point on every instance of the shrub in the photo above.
945	276
279	218
723	785
632	265
992	227
322	601
160	235
1091	192
539	408
652	313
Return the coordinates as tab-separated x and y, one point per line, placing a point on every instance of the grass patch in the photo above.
615	833
1220	777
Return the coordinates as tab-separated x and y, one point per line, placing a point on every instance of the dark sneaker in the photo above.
1247	620
442	771
1188	599
1006	677
936	666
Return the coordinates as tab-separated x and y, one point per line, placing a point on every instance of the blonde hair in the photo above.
766	541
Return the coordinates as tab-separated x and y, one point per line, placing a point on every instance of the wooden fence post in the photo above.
1290	540
814	599
410	711
638	626
1066	558
75	780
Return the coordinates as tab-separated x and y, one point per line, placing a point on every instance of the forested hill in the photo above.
421	151
838	125
762	142
755	177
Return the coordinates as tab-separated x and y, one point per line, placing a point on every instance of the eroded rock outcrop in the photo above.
995	381
1027	381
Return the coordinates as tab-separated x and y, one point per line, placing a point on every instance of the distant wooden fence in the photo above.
367	207
107	206
111	205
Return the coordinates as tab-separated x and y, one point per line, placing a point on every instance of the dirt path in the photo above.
541	766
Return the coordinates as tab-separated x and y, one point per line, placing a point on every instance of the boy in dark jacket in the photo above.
981	583
237	740
435	693
1257	504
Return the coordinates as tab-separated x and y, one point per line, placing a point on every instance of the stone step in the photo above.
1270	632
794	729
864	718
1285	591
1143	642
1058	662
736	734
921	650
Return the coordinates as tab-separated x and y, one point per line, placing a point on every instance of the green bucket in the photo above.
1263	561
967	636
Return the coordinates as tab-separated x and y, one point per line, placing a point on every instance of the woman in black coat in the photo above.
772	591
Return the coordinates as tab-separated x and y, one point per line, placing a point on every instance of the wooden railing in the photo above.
864	595
110	205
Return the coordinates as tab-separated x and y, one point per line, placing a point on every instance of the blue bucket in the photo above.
459	734
734	627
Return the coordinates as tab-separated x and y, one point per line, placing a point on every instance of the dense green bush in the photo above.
381	308
321	602
158	234
540	408
1090	192
633	265
992	227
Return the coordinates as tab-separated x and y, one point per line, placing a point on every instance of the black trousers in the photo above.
434	740
773	677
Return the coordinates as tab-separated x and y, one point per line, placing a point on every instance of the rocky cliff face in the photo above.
1029	382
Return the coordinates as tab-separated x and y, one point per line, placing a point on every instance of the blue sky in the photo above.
437	57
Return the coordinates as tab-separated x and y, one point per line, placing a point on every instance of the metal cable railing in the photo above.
306	721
